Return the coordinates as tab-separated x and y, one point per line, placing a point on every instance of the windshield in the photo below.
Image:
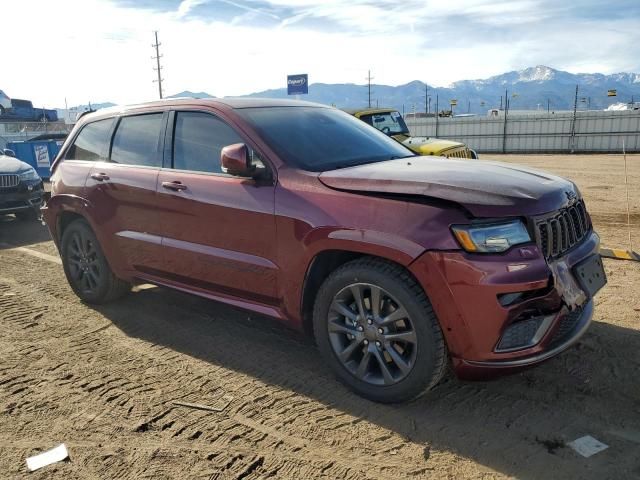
319	139
390	123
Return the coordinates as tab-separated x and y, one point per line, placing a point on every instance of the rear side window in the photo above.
198	140
136	141
92	143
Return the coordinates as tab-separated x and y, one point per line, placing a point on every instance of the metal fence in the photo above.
586	132
16	131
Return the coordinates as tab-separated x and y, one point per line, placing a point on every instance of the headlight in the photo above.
494	237
30	174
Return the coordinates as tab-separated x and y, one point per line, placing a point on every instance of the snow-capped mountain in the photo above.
532	88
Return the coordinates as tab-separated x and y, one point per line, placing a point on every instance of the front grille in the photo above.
560	232
463	152
8	181
566	327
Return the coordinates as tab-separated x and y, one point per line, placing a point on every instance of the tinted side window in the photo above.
136	140
198	140
92	143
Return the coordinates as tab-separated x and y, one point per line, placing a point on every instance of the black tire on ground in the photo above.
86	267
28	215
2	110
427	364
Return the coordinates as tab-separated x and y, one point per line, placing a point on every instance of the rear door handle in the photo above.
175	185
100	176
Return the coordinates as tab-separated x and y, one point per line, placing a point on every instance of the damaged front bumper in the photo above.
507	311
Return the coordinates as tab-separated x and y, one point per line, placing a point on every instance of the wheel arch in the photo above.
321	266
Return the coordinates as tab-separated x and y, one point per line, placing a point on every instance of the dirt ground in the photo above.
102	380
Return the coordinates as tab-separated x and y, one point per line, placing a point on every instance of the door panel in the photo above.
219	233
123	203
122	193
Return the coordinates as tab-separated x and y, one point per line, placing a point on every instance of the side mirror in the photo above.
234	160
8	152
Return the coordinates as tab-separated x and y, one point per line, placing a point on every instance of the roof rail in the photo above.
82	114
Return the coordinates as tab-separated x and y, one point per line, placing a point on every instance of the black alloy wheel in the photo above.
372	334
375	326
86	266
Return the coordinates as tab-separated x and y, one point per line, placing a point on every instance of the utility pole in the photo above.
426	99
437	115
548	105
573	123
369	78
158	67
506	112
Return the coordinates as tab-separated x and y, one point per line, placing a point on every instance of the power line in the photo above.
369	78
158	68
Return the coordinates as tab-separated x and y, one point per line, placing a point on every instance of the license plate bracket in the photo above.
591	275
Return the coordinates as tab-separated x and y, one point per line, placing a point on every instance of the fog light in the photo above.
524	334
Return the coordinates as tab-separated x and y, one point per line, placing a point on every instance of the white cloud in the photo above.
99	51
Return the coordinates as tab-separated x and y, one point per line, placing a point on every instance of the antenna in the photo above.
157	59
369	78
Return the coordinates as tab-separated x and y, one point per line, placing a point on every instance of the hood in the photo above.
428	145
12	165
486	189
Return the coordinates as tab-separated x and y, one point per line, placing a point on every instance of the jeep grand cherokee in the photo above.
398	264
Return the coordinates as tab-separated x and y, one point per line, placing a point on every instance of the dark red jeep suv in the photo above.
400	265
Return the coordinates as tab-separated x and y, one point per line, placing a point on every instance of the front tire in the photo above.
86	267
377	330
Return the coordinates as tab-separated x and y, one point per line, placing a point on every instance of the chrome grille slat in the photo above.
572	230
547	227
562	230
8	181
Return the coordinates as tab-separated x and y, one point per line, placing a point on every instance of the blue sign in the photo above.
298	84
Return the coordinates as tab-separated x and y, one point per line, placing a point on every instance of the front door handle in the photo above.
175	186
100	177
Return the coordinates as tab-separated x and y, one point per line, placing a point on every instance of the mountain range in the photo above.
529	89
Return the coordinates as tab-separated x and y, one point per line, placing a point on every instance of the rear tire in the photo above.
86	266
380	358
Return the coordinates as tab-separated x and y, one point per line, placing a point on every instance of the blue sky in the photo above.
100	49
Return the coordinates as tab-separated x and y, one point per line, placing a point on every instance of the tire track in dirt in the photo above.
289	418
236	431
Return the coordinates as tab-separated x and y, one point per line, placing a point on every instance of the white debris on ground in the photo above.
54	455
587	446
